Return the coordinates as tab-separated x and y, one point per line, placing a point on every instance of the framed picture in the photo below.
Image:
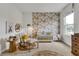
17	27
9	27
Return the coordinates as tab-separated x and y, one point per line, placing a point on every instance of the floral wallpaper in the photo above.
46	22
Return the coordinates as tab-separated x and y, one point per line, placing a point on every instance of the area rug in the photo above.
46	53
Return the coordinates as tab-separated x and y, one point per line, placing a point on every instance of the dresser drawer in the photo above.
75	44
75	39
75	51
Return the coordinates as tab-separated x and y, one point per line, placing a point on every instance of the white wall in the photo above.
27	18
2	32
76	18
67	10
11	14
2	26
66	39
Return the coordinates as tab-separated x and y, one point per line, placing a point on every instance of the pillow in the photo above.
48	33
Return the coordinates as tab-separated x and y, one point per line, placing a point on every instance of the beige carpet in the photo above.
46	53
58	47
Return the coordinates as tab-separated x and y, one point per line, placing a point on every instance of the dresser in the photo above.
75	44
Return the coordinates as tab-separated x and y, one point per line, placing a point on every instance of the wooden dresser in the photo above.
75	44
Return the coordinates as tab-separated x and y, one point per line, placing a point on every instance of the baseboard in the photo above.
57	40
3	50
66	44
45	41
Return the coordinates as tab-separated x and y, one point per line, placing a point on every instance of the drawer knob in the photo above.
75	50
75	44
75	39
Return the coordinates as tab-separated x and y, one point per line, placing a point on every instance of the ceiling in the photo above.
40	7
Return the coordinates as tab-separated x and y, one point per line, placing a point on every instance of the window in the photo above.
69	24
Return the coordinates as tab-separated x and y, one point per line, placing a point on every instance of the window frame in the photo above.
66	25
